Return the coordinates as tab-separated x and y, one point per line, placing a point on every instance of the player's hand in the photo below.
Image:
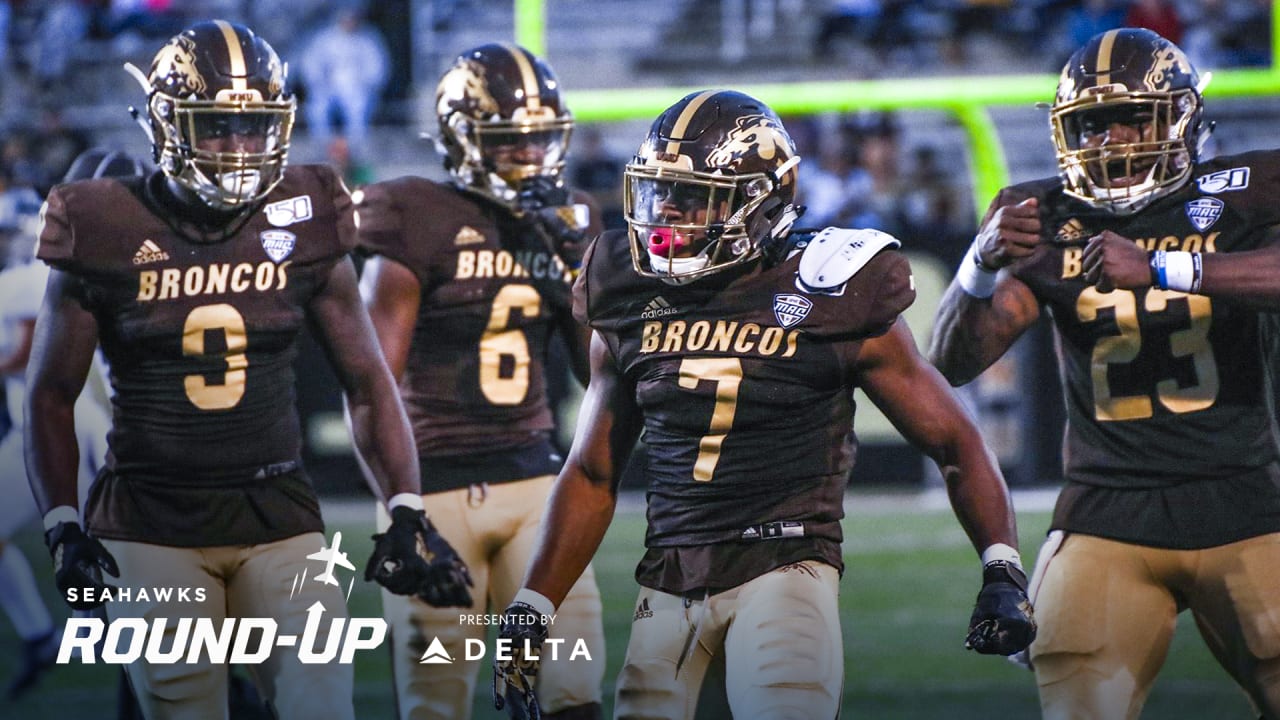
1012	233
514	677
411	558
78	562
545	204
1002	622
1112	261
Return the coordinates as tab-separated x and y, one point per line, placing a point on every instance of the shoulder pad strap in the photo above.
836	254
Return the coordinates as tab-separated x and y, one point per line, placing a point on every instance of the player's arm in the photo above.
384	444
62	347
1251	277
582	501
577	338
379	425
916	399
578	514
985	310
392	296
914	396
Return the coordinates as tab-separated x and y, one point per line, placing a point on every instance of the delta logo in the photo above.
476	649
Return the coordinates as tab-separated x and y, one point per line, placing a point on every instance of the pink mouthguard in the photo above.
665	242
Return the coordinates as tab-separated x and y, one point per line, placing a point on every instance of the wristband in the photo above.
535	600
1179	271
61	514
412	501
974	277
1000	551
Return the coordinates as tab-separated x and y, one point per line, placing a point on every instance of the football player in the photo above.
735	344
197	279
469	281
1154	264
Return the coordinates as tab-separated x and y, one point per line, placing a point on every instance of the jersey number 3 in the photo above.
1124	347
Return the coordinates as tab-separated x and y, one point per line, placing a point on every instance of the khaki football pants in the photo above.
779	633
494	529
1107	612
239	581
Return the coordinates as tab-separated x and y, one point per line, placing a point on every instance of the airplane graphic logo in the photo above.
436	654
332	557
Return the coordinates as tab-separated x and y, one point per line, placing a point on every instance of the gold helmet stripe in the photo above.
1105	46
235	55
686	117
532	94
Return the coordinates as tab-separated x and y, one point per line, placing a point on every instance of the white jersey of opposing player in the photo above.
21	293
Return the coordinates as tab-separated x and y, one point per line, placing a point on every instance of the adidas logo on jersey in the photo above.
657	307
149	253
643	611
468	236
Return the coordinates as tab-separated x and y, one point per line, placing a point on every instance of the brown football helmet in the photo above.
713	182
502	120
219	116
1133	77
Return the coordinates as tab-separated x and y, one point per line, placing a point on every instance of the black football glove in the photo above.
78	562
411	558
1002	622
546	206
513	678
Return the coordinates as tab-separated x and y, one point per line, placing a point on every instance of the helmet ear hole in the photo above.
756	187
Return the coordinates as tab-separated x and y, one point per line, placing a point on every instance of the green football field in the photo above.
905	599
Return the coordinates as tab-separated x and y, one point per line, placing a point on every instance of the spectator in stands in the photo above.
1159	16
1091	18
54	146
596	171
827	185
344	68
63	25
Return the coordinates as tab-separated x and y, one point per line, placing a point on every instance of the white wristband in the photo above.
1000	551
1180	271
975	279
535	600
412	501
61	514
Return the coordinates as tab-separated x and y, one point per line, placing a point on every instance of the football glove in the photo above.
514	677
411	558
546	206
78	562
1002	622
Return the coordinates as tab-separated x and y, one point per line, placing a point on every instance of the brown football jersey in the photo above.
746	385
474	385
1165	390
200	336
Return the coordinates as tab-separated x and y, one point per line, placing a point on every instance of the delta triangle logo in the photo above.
435	654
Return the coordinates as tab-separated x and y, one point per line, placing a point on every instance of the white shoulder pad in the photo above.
836	254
